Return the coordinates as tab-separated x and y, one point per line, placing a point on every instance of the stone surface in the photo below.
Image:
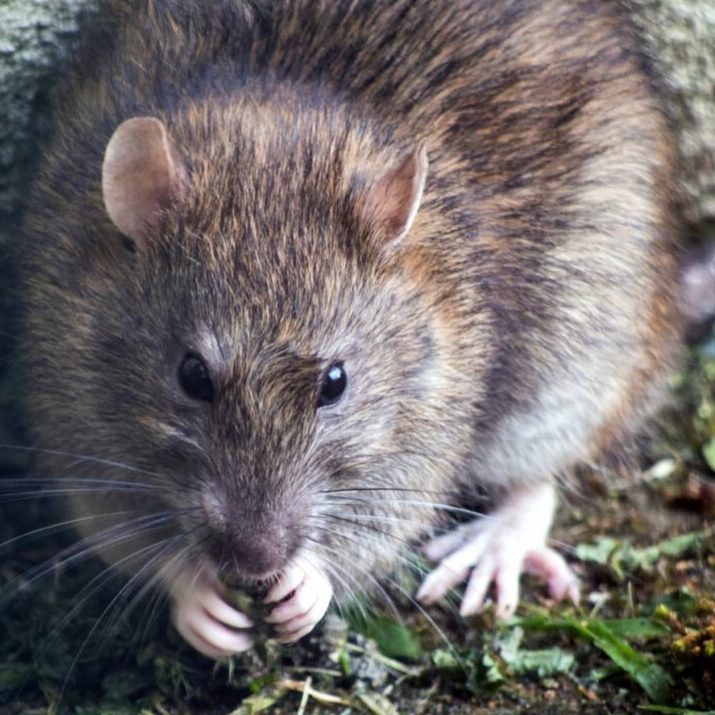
34	37
680	36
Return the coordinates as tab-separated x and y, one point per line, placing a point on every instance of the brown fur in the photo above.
525	323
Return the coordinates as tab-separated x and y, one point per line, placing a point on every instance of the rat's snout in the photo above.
254	554
253	540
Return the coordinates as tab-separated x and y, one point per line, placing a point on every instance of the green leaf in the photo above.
599	552
649	675
508	643
647	558
261	682
609	636
629	628
622	554
345	661
709	453
394	640
445	659
492	671
542	662
539	622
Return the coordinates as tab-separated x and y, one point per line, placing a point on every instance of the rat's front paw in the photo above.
303	594
204	618
496	549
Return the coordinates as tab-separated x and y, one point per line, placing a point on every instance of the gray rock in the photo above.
34	38
680	36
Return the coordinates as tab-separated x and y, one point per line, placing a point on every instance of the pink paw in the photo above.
204	619
497	549
307	592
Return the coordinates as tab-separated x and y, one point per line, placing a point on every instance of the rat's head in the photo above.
250	327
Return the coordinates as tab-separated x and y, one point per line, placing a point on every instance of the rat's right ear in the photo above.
141	175
392	201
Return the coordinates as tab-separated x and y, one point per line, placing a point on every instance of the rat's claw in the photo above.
497	549
204	619
455	566
308	591
478	585
439	547
550	566
288	582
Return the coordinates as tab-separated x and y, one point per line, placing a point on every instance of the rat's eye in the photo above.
195	379
334	384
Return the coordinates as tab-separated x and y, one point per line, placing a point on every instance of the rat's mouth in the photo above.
251	583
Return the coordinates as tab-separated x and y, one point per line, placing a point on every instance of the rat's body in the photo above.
500	316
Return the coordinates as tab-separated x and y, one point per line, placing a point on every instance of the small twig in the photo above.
306	696
317	671
390	663
603	598
319	695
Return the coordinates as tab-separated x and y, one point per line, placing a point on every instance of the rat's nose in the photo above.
253	551
256	556
249	537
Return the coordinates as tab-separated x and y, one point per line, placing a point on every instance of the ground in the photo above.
642	639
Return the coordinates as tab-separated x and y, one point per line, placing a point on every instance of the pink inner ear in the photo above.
393	200
139	175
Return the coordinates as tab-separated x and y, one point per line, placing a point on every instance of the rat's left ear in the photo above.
392	201
141	175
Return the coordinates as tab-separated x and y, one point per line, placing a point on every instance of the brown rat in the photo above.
298	273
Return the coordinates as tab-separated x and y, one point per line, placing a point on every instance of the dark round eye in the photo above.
334	384
195	379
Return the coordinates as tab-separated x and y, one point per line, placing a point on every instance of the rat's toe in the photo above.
455	567
552	568
288	582
304	608
479	581
507	586
212	601
299	603
301	625
496	549
205	620
205	633
221	637
438	582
